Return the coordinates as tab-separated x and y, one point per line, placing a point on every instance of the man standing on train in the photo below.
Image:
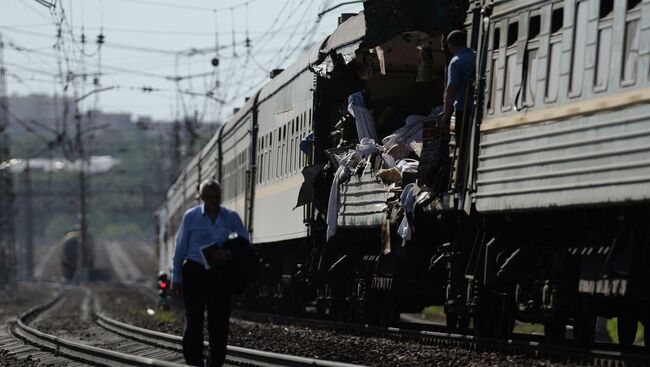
459	95
203	225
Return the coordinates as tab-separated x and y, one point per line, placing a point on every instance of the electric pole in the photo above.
7	231
81	159
176	154
29	223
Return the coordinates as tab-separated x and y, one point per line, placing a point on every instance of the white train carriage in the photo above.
235	164
285	114
562	169
579	132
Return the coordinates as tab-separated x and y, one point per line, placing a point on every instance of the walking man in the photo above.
206	224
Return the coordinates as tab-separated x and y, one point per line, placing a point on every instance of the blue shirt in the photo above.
197	230
461	74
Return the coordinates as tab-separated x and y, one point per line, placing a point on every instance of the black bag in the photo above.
244	264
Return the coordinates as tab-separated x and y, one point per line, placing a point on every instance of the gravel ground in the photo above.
71	319
29	295
129	306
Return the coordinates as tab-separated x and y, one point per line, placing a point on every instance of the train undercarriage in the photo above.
561	272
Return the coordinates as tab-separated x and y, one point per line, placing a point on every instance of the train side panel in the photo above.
578	133
285	118
235	150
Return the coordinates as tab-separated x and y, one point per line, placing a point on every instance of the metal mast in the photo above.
7	230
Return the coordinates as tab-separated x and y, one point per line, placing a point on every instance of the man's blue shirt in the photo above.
197	230
461	74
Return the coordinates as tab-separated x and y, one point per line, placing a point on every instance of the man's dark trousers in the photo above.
205	288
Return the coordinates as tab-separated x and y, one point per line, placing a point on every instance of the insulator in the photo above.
215	61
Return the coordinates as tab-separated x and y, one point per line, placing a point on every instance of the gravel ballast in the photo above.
129	306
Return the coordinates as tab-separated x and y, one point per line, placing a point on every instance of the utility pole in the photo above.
29	223
7	231
81	158
176	154
191	127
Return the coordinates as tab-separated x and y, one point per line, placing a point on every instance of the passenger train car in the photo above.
540	216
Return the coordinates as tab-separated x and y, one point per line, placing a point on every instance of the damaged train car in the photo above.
323	237
363	205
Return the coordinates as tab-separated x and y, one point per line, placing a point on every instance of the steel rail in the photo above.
74	350
235	354
601	354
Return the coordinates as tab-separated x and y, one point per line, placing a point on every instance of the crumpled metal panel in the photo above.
347	33
363	201
590	160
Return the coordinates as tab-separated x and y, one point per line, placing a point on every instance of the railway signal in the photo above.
163	291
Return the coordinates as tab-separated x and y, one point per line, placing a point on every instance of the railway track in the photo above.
601	354
140	347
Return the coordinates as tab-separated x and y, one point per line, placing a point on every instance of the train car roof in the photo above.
242	112
347	36
297	67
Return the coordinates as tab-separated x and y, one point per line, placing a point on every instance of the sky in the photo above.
148	42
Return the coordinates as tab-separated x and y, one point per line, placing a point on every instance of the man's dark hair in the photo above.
457	39
209	184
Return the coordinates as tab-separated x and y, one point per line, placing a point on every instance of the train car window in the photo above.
269	153
296	141
281	154
604	45
579	48
260	169
276	156
511	66
554	56
496	44
262	163
534	28
290	162
310	121
303	130
513	33
632	42
606	9
263	169
258	160
284	149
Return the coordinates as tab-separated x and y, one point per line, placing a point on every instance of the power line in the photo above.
188	7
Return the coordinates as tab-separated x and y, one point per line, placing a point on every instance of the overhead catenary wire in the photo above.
187	7
240	72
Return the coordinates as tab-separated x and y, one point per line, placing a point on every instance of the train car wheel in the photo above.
452	320
646	336
463	322
584	327
626	329
504	324
554	330
388	313
483	326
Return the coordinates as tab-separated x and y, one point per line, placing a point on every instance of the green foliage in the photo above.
121	201
434	310
612	330
165	317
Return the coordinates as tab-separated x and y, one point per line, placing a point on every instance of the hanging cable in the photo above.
232	23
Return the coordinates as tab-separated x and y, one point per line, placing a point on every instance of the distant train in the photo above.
538	214
74	257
